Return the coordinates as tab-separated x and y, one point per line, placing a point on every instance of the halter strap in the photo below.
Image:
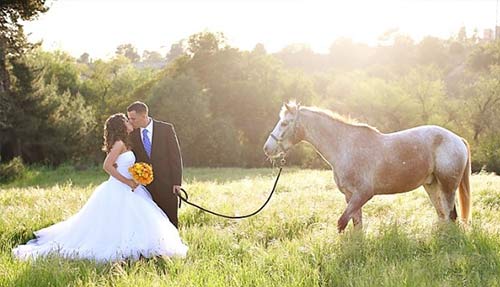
279	140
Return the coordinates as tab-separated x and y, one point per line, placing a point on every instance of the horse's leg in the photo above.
434	192
449	209
448	186
357	217
357	200
453	211
451	158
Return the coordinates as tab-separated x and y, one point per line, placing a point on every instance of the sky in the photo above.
99	26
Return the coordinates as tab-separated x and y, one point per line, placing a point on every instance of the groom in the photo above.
155	142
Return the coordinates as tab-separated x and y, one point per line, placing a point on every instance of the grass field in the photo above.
293	242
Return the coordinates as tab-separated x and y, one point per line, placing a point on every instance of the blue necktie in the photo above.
146	142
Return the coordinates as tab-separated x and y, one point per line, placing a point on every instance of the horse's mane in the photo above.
329	115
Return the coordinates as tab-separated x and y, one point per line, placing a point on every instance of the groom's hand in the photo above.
176	189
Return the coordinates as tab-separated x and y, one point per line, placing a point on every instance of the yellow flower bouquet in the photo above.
142	173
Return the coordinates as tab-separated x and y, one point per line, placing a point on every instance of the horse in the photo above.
366	162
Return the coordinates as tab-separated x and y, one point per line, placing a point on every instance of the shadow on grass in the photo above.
45	176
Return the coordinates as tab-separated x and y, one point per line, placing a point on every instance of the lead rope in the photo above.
185	198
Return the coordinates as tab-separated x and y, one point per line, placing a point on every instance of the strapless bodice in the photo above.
124	161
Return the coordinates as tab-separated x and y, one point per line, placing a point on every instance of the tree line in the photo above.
224	101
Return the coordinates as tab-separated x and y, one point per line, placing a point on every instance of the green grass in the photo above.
293	242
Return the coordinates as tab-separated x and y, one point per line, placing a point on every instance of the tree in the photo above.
50	127
259	49
183	102
12	39
403	53
128	51
483	103
346	55
485	56
176	50
84	58
432	50
301	56
13	44
399	57
462	35
151	57
230	97
389	105
109	85
206	43
425	87
59	68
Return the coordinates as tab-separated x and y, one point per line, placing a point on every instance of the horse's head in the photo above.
286	132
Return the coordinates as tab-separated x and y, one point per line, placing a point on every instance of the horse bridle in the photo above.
292	128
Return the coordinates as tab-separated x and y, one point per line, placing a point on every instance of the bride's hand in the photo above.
132	184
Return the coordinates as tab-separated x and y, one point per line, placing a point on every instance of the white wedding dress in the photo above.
114	224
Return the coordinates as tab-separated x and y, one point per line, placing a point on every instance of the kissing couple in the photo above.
123	219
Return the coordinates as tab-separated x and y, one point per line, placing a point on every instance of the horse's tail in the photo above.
464	189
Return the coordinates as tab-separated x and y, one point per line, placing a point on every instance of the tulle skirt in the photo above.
114	224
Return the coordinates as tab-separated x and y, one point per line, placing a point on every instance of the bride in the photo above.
119	221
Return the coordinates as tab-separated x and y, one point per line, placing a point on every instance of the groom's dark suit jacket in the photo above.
167	165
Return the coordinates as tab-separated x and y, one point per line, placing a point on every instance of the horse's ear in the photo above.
289	108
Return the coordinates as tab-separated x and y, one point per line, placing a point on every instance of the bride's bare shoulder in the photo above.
119	146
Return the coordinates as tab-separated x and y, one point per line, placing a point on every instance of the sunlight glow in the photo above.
98	27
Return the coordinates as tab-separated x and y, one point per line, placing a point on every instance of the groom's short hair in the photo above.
138	107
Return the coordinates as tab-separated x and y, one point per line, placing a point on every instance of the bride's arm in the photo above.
109	161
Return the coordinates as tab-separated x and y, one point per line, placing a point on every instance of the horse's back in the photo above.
442	139
429	135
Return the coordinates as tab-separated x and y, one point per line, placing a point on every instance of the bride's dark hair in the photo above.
115	130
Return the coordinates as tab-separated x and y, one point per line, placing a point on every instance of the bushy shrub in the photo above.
486	155
12	170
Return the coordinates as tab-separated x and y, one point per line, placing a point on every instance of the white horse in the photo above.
366	162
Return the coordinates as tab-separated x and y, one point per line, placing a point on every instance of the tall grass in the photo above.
293	242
